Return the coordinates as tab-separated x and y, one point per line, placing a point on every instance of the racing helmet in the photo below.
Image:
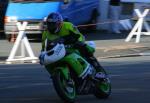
54	22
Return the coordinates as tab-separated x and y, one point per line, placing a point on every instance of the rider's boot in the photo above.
100	73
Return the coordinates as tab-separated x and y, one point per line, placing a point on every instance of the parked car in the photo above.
35	11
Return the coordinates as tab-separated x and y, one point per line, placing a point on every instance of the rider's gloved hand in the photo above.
61	40
41	58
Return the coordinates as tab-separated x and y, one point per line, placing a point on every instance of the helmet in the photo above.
54	22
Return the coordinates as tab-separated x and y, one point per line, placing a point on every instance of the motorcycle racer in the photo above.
66	31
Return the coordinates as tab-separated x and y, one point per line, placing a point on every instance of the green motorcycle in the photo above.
71	74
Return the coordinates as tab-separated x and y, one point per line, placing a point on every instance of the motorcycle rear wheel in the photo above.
103	89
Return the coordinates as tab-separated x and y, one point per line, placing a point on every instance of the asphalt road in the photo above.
31	83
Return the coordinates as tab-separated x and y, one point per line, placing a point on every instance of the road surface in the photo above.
31	83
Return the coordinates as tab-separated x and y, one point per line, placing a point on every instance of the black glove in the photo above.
71	39
51	44
41	58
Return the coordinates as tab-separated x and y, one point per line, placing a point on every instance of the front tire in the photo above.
66	92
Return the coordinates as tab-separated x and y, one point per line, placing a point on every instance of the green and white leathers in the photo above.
65	30
71	73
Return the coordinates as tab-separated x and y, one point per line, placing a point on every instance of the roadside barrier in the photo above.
22	40
137	29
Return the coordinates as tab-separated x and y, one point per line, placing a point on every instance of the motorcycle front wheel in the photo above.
64	88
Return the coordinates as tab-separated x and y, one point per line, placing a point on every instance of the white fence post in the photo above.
137	29
23	41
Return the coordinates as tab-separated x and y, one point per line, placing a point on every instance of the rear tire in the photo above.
62	88
103	90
